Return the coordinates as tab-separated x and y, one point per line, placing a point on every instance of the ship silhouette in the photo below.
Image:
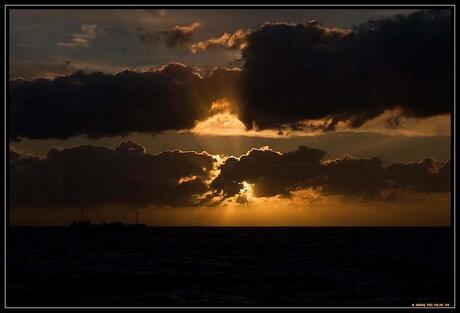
103	225
85	224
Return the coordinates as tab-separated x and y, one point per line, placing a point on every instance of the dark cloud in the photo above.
424	176
291	73
131	146
273	173
127	175
97	104
176	36
365	178
296	72
96	175
149	38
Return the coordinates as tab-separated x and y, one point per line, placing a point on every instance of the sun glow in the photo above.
224	121
247	190
246	194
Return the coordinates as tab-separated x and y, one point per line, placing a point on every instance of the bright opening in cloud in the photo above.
224	121
247	190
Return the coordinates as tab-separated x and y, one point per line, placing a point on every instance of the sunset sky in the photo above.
308	117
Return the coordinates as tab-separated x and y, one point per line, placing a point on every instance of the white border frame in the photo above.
265	6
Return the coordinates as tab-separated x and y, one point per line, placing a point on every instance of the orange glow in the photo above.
304	208
225	122
187	179
220	106
247	191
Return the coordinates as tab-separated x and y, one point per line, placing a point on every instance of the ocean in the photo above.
230	266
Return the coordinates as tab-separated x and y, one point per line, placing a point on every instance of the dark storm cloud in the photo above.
296	72
176	36
273	173
95	175
97	104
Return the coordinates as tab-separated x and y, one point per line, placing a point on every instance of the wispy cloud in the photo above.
176	36
82	39
228	41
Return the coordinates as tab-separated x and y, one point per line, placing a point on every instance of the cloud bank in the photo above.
297	72
98	104
272	173
294	76
89	175
128	175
